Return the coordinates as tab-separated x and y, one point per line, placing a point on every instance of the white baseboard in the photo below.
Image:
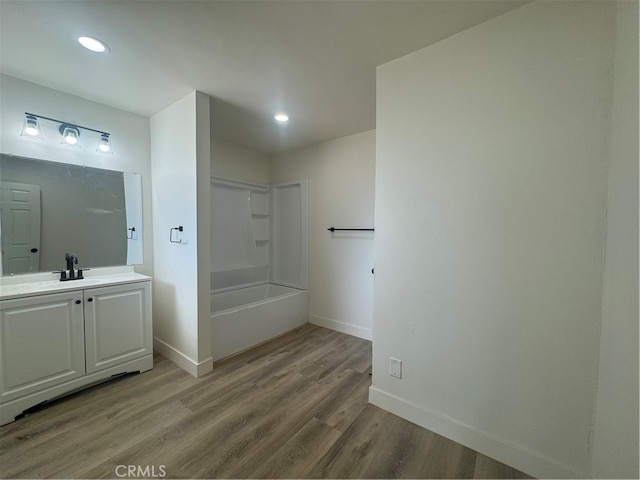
520	458
343	327
183	361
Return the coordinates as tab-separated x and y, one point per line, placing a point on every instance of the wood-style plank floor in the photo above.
295	407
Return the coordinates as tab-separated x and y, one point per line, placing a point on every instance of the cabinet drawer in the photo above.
41	343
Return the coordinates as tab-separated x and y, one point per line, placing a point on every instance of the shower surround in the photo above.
259	245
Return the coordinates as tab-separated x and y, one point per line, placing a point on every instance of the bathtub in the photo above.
245	317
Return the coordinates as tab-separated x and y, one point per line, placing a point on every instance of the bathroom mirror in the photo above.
48	209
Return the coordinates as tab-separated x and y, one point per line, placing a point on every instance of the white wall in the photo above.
491	186
129	134
615	446
341	194
236	162
203	209
181	169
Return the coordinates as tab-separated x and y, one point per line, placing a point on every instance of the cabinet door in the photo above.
117	324
41	343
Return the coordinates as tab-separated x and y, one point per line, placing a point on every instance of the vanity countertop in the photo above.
32	288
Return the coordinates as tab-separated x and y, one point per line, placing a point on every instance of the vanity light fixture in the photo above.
31	128
70	132
104	145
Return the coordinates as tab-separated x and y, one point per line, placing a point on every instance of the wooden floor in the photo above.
295	407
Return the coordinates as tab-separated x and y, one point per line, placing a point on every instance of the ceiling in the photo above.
316	60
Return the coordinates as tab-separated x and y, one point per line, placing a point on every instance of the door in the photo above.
20	227
41	343
117	324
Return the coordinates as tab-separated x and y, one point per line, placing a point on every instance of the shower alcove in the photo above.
259	249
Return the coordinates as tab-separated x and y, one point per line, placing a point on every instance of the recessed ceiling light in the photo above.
281	117
93	44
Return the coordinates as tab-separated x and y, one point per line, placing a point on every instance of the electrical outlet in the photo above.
395	367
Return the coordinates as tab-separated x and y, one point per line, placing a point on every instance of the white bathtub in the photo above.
248	316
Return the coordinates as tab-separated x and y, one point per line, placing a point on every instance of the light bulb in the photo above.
71	138
93	44
70	134
104	145
281	117
31	128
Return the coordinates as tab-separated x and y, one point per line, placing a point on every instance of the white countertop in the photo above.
10	290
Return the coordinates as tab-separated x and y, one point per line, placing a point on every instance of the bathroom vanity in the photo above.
58	337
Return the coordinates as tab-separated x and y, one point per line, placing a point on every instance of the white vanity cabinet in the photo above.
116	325
41	343
62	340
